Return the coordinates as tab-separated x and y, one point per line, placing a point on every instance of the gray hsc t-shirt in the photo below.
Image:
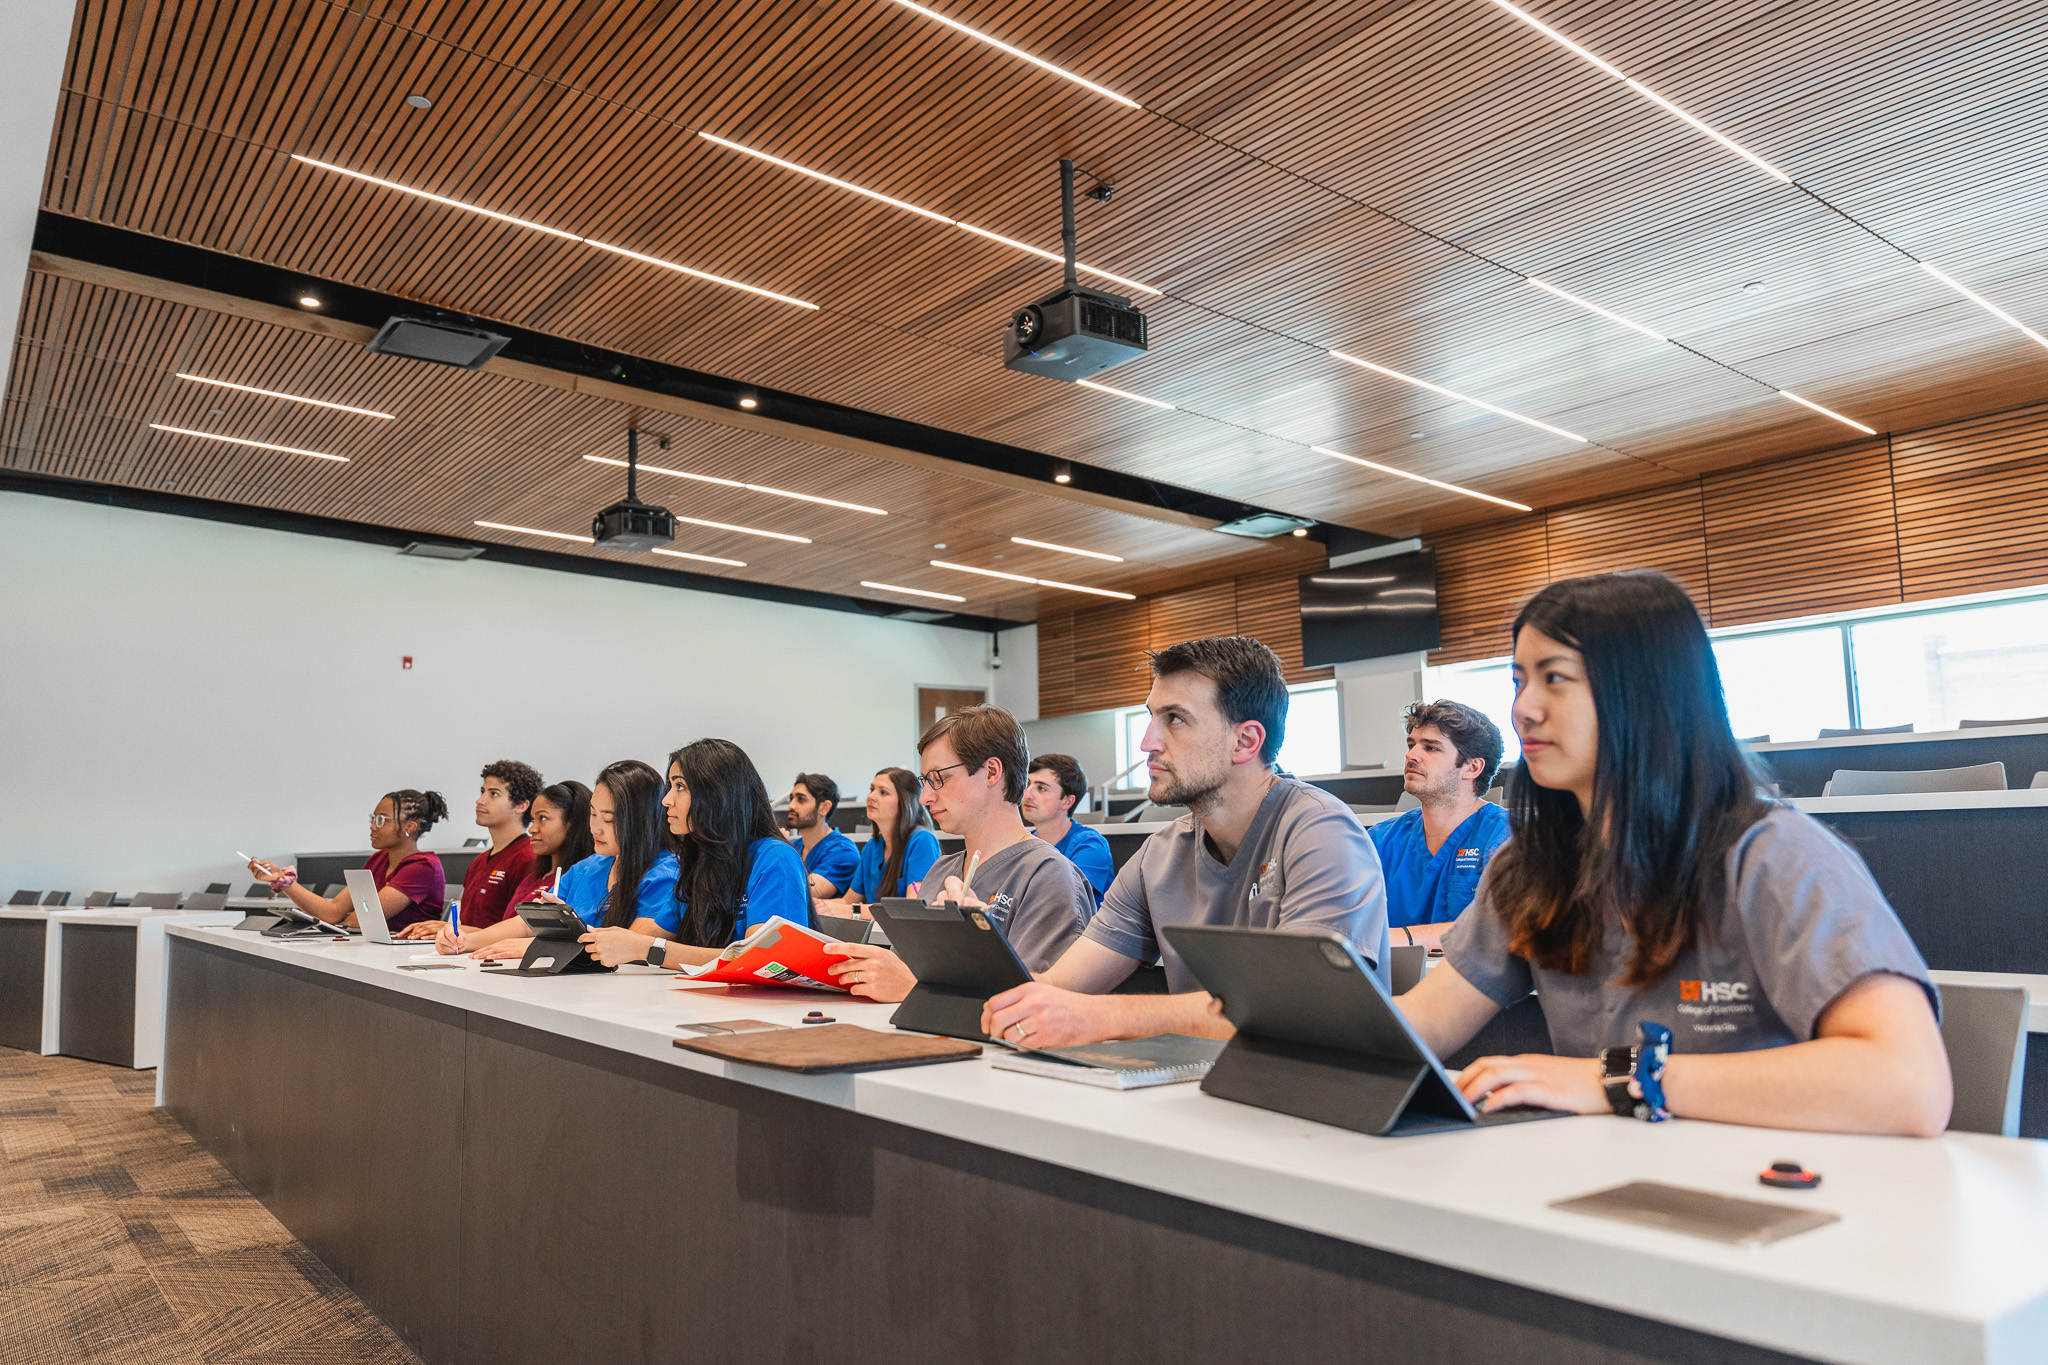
1037	898
1305	863
1802	921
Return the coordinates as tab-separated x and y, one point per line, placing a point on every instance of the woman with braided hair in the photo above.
410	884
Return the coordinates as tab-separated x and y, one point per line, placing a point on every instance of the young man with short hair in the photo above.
1257	849
504	806
1051	795
830	858
1433	856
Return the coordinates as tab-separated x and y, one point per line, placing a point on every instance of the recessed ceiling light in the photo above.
1301	530
1414	435
1062	472
554	232
1986	304
1645	91
238	441
419	101
309	300
1020	53
924	213
914	592
1121	393
1462	398
1041	582
1549	288
748	400
940	546
646	468
1418	478
533	531
288	397
1066	549
708	559
1827	412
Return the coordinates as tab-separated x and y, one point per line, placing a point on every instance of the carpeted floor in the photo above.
120	1240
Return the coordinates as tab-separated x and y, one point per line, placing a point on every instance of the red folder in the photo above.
780	953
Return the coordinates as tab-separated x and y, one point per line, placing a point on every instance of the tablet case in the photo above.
555	950
960	959
830	1047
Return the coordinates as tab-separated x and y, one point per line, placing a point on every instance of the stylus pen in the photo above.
967	882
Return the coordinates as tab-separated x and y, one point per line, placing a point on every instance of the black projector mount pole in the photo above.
632	464
1067	218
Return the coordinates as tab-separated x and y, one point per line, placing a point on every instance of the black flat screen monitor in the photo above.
1370	610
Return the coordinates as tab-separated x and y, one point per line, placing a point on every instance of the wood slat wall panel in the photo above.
1483	575
1269	610
1056	666
1109	656
1191	614
1660	529
1810	535
1973	505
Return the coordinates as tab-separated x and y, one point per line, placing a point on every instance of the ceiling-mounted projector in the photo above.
633	524
1073	332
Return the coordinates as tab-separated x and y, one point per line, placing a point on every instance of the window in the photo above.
1130	735
1786	684
1937	668
1314	742
1488	688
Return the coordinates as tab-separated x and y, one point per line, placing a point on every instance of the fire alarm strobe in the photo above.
1073	332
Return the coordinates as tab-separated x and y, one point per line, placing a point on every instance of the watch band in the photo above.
657	955
1617	1068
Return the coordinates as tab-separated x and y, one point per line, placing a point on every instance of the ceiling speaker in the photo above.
437	343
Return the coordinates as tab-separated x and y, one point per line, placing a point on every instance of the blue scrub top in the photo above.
918	856
583	887
775	886
834	859
1432	889
1084	847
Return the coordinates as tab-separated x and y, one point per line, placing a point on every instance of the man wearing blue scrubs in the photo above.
1050	798
830	858
1432	856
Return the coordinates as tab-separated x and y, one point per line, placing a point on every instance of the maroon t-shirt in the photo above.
491	881
420	880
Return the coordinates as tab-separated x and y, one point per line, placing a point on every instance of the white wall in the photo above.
160	706
1016	682
1375	692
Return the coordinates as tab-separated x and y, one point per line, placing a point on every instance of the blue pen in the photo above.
454	920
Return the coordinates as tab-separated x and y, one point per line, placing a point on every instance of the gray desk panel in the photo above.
96	1001
21	983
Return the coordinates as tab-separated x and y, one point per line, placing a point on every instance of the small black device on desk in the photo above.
293	922
960	957
1319	1038
554	950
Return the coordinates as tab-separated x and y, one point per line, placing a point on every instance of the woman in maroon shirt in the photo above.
410	883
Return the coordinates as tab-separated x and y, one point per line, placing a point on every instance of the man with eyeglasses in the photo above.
973	763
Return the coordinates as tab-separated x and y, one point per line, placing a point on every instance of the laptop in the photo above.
1318	1037
362	889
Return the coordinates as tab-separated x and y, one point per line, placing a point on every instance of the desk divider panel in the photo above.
21	983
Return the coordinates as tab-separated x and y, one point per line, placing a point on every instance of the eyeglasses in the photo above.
936	778
379	821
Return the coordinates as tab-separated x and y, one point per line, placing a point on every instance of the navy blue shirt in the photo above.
834	858
1434	888
775	886
583	887
1084	847
919	853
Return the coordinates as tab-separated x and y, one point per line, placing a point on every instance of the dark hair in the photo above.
729	810
638	831
910	814
522	784
1468	729
1672	791
980	733
426	807
821	787
573	800
1250	684
1073	782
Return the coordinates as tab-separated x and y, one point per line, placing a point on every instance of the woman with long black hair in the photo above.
1699	950
736	871
899	852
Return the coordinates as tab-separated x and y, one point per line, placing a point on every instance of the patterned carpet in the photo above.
120	1240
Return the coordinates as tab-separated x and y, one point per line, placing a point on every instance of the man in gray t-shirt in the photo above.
1037	898
1802	921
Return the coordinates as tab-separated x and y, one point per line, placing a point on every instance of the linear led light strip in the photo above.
1827	412
1418	478
921	212
288	397
1065	549
1986	304
735	483
238	441
1041	582
1461	397
1645	91
1020	53
586	540
914	592
556	232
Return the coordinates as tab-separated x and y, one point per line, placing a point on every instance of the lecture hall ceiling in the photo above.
1299	179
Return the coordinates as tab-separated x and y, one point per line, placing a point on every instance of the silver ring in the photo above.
1019	1027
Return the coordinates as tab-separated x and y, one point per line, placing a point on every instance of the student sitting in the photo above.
504	806
1052	793
1648	880
1258	848
410	884
1432	856
974	764
737	871
898	854
630	880
829	856
561	838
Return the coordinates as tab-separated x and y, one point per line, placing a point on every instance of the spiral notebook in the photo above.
1162	1059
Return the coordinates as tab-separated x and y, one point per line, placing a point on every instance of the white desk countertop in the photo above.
1922	737
1939	1255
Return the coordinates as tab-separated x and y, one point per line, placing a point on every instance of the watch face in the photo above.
1617	1062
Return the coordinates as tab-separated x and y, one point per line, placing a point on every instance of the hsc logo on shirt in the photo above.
1714	992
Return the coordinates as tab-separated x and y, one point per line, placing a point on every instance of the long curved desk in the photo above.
528	1170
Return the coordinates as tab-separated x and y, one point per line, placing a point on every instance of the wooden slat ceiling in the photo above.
1302	176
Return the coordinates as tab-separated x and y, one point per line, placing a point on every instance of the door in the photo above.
934	702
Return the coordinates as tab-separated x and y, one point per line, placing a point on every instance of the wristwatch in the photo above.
657	953
1617	1069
